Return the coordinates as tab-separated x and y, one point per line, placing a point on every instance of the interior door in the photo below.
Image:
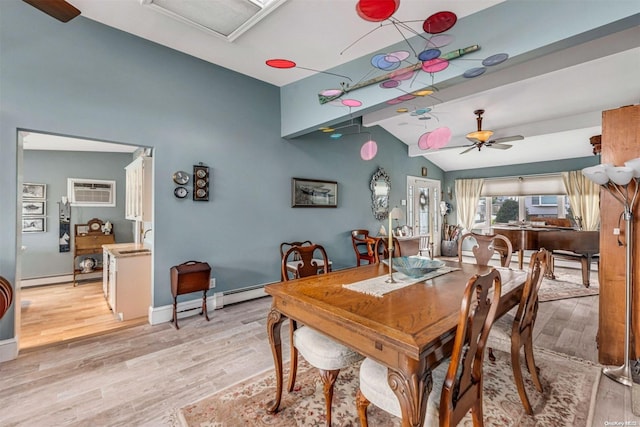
423	201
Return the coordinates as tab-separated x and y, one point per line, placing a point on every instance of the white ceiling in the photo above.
556	111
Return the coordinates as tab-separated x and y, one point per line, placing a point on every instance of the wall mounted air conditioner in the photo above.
91	192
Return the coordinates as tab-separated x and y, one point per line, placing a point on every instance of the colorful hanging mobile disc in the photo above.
439	22
280	63
376	10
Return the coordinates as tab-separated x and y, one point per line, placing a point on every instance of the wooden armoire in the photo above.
620	142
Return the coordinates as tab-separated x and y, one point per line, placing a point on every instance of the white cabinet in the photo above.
128	284
139	189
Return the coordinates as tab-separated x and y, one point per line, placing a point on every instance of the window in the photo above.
544	200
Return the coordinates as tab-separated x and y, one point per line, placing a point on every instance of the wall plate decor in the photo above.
180	192
181	177
312	193
201	183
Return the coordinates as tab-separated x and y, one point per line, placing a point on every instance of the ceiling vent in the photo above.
227	19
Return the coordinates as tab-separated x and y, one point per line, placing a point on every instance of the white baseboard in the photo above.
192	307
8	349
52	280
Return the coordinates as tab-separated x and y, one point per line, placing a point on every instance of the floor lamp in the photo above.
616	180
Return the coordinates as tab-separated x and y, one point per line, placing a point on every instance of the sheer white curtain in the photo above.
467	197
584	198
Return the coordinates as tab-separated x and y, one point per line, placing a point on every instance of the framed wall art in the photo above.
312	193
34	207
31	190
34	225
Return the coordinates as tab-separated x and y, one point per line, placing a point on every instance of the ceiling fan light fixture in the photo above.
480	135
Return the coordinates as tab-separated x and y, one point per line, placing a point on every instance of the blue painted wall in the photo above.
42	257
87	80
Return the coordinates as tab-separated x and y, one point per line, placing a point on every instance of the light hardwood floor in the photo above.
138	375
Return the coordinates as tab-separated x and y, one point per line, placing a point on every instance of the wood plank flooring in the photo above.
51	314
137	376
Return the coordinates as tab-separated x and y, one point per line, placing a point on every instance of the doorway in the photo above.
51	308
423	201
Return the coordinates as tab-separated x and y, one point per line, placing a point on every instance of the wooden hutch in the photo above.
620	142
88	241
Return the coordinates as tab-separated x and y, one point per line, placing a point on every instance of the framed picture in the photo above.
34	207
34	225
312	193
34	191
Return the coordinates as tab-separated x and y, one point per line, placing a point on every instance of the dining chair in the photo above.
423	246
515	332
6	296
486	246
381	249
363	245
457	385
293	263
323	353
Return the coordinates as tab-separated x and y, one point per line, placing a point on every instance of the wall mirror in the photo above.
380	190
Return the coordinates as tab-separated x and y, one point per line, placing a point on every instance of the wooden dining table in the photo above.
410	330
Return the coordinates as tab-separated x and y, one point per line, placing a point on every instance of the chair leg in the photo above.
531	364
476	413
517	377
293	370
328	379
362	403
492	357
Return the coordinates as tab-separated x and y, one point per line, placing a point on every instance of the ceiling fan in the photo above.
481	138
59	9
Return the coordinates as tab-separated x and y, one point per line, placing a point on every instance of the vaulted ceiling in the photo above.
563	70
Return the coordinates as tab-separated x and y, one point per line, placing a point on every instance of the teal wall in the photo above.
41	257
87	80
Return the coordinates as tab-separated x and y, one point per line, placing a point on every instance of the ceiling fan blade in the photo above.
468	149
59	9
508	139
499	146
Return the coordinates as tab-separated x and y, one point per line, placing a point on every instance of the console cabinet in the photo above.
88	241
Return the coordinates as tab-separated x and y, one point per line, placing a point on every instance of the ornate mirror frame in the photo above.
380	189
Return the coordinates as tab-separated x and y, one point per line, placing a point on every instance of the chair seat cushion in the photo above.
500	334
321	351
375	387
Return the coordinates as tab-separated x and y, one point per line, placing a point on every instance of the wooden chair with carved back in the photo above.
486	247
515	332
284	246
457	385
6	296
317	349
363	246
381	249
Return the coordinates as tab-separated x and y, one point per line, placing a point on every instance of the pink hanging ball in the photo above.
369	150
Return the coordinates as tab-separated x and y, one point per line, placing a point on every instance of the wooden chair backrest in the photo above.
462	387
485	248
284	246
6	296
381	249
526	315
305	255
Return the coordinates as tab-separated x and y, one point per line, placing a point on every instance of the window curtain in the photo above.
584	198
467	197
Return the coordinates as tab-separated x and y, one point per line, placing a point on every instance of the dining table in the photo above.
410	329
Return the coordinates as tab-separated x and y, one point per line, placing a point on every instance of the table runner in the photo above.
377	286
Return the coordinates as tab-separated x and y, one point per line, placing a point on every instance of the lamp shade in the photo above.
635	165
396	213
480	135
620	175
597	174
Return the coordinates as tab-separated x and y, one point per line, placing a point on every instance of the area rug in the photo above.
569	385
567	285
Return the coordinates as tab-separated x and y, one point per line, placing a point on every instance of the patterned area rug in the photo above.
568	284
570	387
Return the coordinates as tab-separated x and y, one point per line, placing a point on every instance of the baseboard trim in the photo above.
51	280
8	350
192	307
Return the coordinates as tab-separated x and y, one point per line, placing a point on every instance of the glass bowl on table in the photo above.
414	266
